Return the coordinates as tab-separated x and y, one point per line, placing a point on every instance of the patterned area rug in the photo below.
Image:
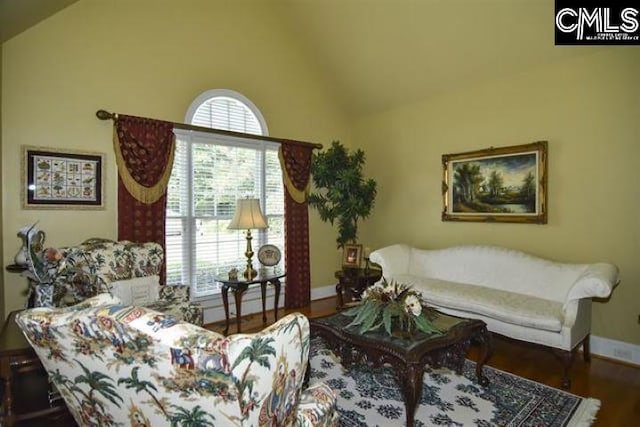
368	397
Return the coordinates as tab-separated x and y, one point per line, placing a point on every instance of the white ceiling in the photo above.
379	54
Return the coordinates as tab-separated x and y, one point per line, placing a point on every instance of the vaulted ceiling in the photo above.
18	15
384	53
379	54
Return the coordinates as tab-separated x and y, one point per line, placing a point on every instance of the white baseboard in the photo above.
251	304
618	350
323	292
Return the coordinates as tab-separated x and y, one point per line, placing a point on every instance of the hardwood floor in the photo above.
615	384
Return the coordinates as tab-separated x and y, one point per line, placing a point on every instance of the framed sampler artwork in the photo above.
504	184
62	179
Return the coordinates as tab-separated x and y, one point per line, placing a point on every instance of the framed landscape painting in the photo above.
69	179
504	184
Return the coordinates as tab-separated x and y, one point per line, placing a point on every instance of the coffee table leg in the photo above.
225	302
486	349
411	383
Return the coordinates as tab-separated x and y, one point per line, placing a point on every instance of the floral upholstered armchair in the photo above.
124	365
129	270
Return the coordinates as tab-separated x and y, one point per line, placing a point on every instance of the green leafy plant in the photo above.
342	193
394	306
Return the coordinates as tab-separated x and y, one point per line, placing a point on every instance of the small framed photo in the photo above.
56	179
351	256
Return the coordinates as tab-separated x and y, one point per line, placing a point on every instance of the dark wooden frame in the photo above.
540	215
346	250
29	179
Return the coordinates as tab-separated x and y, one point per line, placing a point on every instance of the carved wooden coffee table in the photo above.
408	357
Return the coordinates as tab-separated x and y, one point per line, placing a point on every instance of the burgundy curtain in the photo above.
296	170
144	154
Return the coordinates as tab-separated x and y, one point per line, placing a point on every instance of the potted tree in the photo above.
342	193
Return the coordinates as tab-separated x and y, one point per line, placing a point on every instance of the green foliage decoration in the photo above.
342	193
396	307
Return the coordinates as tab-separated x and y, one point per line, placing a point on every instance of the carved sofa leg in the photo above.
566	357
586	348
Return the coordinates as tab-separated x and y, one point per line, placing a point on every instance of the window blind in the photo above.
210	173
222	112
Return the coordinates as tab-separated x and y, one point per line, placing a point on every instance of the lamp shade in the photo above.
248	216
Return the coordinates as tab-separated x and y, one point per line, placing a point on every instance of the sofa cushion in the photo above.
509	307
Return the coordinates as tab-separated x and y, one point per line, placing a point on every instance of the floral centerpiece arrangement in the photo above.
394	306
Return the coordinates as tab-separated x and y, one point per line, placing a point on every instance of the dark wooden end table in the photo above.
407	356
239	287
20	365
355	280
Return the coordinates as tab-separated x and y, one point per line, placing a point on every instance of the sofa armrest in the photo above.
393	259
317	407
268	367
597	280
174	293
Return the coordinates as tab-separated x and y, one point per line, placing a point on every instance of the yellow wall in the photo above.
149	58
588	109
1	185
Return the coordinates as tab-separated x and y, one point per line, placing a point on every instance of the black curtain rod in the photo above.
105	115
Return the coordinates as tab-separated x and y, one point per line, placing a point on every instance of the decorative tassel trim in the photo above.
299	196
146	195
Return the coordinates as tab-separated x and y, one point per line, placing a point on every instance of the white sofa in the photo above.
518	295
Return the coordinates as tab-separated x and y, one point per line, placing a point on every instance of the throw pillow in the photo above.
139	291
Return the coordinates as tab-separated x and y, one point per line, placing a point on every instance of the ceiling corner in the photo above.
17	16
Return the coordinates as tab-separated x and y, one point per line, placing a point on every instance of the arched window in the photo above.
227	110
210	172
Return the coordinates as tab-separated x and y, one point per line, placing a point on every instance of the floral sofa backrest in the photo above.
125	269
110	260
92	265
116	364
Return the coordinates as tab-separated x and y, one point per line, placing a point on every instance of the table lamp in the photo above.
248	216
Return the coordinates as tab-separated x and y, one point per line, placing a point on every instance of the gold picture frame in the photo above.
62	179
504	184
351	256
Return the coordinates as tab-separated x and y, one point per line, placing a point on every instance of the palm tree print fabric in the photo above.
120	365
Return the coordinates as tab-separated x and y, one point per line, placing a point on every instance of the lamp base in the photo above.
250	272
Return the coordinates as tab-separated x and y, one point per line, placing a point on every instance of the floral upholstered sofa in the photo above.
123	268
124	365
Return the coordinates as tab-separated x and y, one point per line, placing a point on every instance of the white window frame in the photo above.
198	137
228	93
